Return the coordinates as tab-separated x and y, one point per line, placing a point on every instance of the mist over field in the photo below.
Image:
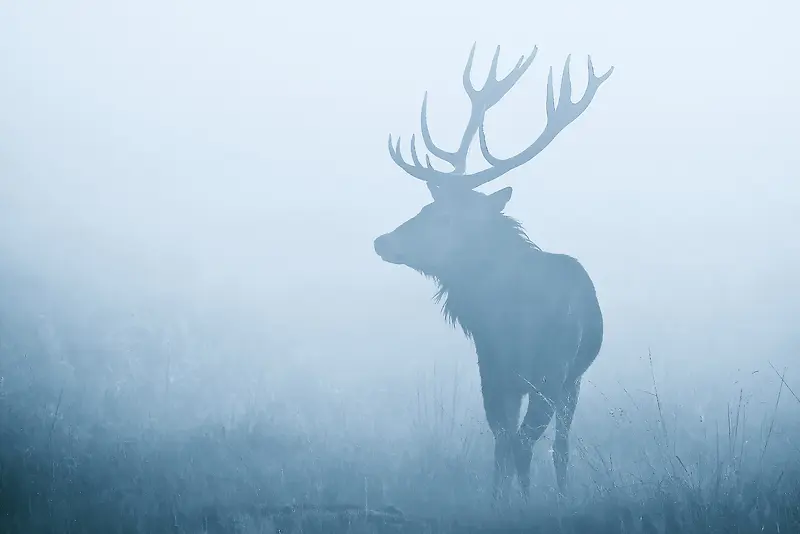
195	330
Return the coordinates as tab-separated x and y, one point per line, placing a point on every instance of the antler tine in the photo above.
450	157
481	100
458	159
496	89
466	75
425	173
558	117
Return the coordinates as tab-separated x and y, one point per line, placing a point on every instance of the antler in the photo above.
558	117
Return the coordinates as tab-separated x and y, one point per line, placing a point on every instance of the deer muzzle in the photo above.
384	249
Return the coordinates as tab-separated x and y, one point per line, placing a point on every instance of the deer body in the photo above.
533	316
537	327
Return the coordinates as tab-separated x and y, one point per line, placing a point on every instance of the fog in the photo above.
189	193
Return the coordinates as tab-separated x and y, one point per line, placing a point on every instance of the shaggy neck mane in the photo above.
462	288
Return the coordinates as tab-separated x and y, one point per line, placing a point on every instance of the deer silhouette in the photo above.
533	316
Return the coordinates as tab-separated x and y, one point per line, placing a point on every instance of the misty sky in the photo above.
235	153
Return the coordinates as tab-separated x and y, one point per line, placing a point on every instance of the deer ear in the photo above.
500	198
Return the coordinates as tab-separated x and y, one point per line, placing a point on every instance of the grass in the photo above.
69	476
84	452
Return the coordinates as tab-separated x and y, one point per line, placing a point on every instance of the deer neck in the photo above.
488	261
482	276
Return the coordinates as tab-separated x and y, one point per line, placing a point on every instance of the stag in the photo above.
533	316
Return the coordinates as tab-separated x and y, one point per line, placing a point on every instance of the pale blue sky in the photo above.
238	150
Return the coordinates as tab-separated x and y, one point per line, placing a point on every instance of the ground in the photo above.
250	476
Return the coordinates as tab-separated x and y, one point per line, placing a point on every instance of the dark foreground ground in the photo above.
249	479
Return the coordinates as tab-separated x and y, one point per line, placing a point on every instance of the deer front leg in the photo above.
540	412
502	412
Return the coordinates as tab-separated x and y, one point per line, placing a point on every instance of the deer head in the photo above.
443	232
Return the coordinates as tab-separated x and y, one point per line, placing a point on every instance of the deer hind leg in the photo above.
564	415
502	413
540	411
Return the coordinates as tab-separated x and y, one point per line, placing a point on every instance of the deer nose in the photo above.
388	250
381	245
